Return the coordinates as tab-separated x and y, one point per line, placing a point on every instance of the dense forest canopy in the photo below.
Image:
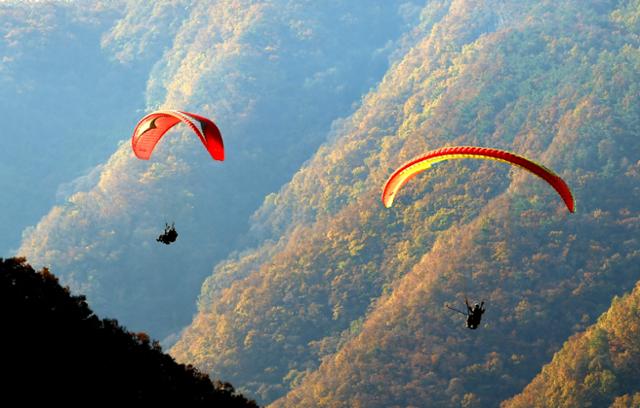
60	118
598	367
348	299
273	75
311	293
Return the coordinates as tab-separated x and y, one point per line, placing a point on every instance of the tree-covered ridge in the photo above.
57	112
145	29
412	349
599	367
424	82
627	401
56	350
273	76
329	315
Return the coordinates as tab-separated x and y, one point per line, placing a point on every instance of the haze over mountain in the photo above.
347	308
273	75
322	297
65	106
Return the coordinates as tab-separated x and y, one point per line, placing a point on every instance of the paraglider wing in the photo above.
152	127
410	169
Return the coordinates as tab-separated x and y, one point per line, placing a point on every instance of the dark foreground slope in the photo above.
598	367
56	350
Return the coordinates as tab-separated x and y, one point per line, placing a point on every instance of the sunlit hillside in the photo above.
289	277
343	304
599	367
273	75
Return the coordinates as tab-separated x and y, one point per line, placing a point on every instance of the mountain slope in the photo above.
598	367
273	76
59	94
343	304
58	351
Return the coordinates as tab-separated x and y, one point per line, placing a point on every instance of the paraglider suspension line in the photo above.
456	310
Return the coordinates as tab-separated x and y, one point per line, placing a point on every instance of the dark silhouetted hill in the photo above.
55	349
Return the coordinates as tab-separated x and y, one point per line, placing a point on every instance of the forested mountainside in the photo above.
56	351
60	94
343	304
599	367
273	75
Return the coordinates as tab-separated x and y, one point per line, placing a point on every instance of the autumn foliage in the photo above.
598	367
343	305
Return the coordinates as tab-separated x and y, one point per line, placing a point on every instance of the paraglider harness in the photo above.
474	314
169	235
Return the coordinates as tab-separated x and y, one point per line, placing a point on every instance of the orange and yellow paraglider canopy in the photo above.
408	170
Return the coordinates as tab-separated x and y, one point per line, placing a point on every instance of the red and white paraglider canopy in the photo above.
152	127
